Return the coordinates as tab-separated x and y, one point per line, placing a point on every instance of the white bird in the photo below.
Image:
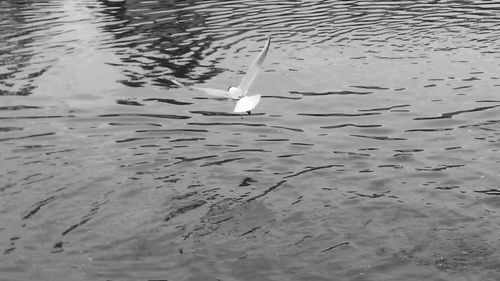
244	103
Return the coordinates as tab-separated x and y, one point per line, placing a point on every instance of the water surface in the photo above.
373	154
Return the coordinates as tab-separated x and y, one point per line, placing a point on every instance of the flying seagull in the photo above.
244	103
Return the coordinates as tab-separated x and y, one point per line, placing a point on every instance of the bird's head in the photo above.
235	93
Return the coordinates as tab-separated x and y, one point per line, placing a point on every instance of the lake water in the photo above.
373	154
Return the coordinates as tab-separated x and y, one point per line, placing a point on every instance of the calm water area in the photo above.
372	156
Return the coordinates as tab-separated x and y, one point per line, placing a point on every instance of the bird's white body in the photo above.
238	94
246	103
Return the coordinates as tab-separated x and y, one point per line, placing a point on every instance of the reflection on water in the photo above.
373	154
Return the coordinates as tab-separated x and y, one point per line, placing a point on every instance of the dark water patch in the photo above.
462	87
304	238
215	113
222	220
220	162
57	247
248	150
184	209
289	155
385	108
451	114
373	195
133	124
170	101
488	101
350	125
366	171
10	129
27	137
211	98
129	102
349	153
448	187
92	212
409	150
338	114
329	93
384	58
267	191
61	151
133	84
370	87
383	138
301	144
132	140
272	140
481	124
440	168
32	147
394	166
150	145
247	182
140	163
491	191
36	207
170	179
37	117
311	169
174	131
226	124
184	196
429	130
369	149
187	139
287	128
251	231
403	157
7	186
186	159
163	116
282	97
471	79
18	107
334	247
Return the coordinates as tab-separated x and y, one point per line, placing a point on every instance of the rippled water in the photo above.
373	155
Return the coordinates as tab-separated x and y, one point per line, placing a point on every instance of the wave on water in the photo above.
373	152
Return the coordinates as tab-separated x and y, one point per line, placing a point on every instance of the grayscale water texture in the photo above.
372	156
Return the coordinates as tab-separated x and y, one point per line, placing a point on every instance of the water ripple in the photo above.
376	139
166	116
189	36
329	93
451	114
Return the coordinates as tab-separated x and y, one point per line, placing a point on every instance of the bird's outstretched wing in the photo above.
212	92
208	91
254	69
246	103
